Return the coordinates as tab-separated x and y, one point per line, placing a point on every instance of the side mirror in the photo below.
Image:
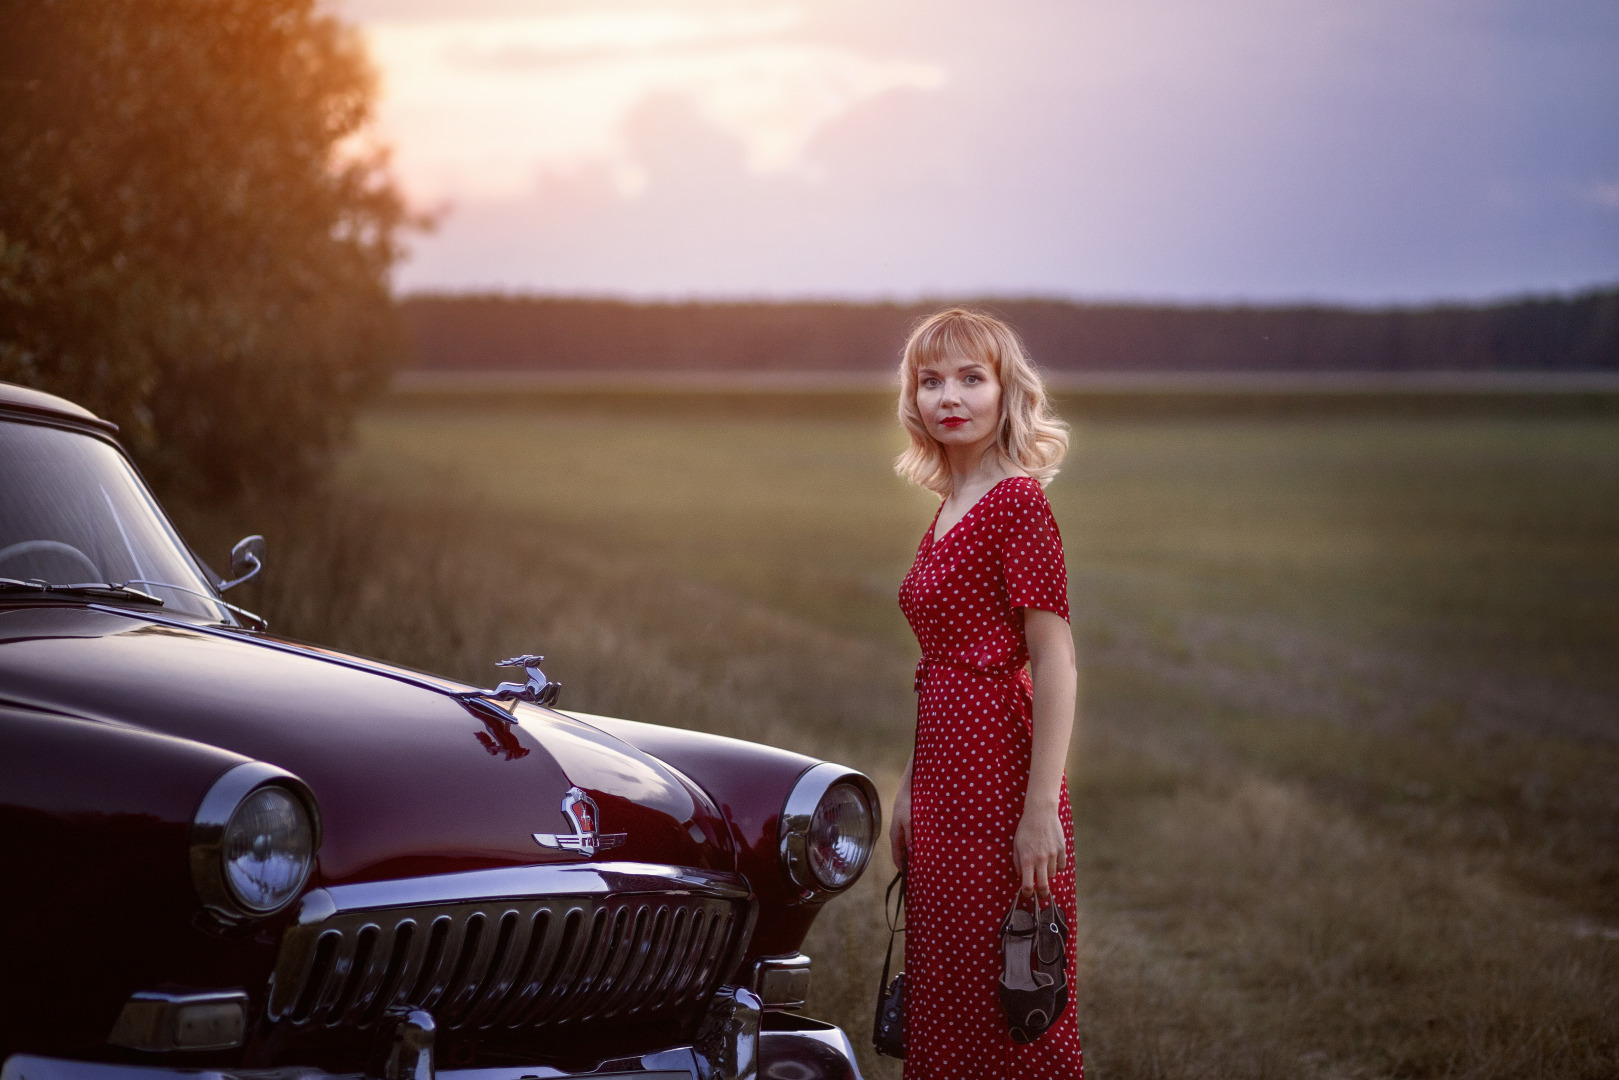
246	560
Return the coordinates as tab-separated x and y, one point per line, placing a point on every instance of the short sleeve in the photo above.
1031	551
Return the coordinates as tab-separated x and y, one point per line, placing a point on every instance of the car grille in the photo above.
510	963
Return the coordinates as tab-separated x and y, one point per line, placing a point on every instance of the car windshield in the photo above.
72	511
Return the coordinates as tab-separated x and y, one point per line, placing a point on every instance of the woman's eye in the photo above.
971	379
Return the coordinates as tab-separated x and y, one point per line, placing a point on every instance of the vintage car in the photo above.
227	854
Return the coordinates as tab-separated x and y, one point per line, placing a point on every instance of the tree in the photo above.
194	240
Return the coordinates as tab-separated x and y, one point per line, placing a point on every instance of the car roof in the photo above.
23	399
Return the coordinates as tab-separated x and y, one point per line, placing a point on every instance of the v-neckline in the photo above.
935	540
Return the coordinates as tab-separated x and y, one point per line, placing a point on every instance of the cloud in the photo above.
1258	149
476	45
1605	195
484	108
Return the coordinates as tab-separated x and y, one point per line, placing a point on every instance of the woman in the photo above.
982	814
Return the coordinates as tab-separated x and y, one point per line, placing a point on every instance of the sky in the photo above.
1351	151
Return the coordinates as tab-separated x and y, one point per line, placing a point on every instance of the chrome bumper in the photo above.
738	1043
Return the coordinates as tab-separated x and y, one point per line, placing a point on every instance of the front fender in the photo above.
94	825
750	783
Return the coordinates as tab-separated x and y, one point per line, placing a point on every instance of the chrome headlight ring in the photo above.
829	827
271	795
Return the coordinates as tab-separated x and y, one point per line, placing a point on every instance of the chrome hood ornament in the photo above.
536	689
580	810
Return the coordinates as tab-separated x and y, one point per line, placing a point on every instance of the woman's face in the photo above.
960	401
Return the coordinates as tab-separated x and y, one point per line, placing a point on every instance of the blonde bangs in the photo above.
1031	437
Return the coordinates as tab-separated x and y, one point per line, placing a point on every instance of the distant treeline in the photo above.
554	334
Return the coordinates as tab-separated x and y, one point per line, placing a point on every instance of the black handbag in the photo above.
1034	975
888	1031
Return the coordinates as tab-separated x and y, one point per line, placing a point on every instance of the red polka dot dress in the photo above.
974	727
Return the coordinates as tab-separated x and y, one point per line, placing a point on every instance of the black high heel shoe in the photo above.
1034	971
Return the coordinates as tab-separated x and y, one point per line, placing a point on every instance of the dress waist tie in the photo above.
998	673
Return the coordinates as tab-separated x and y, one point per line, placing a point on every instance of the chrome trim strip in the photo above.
796	814
520	883
674	1063
678	1063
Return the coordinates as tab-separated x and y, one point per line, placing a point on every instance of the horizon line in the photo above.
693	299
411	382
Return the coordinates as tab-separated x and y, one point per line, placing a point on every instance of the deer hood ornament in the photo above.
536	689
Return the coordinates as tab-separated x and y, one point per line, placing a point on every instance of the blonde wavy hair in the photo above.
1031	437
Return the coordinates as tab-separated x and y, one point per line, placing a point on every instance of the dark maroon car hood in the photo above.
409	780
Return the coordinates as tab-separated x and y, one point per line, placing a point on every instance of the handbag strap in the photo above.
1034	905
1017	902
896	924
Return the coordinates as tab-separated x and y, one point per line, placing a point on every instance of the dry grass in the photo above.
1348	779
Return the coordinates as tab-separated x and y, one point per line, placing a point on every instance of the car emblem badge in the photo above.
580	810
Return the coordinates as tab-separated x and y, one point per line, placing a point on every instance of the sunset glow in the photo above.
1142	149
482	108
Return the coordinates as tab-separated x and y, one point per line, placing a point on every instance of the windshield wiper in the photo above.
95	590
257	620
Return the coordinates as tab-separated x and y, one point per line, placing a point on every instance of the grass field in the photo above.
1347	777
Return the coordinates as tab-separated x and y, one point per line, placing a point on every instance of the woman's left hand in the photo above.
1039	850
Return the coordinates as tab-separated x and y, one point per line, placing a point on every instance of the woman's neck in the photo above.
973	470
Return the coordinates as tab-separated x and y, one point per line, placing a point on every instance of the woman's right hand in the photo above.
899	825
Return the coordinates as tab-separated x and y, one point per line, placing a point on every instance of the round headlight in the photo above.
267	849
840	836
829	824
